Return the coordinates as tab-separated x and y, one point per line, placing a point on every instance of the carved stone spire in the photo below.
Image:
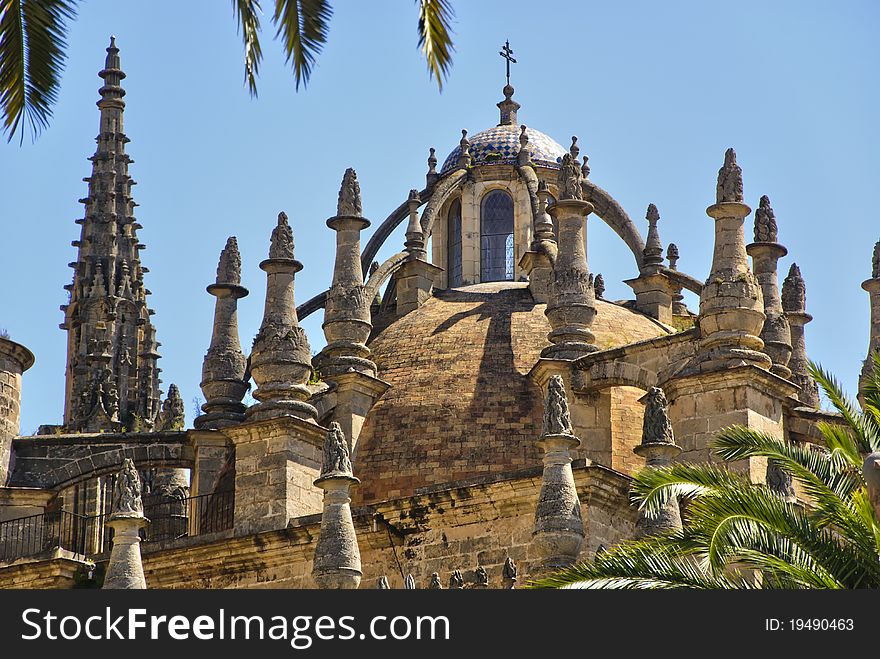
765	222
224	366
524	156
731	302
349	195
432	176
508	107
730	181
653	251
347	321
125	569
464	158
794	302
415	239
172	416
281	357
571	300
658	447
509	573
108	279
672	256
765	253
543	222
559	529
678	306
872	286
337	562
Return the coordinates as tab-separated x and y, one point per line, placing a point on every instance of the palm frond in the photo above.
32	56
866	434
435	40
303	26
652	489
247	14
652	564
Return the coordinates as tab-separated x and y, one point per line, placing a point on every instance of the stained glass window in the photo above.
496	237
453	244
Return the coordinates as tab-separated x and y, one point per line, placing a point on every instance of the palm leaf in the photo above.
303	26
652	489
435	41
867	435
247	14
32	56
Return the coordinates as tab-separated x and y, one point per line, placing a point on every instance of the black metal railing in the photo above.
89	536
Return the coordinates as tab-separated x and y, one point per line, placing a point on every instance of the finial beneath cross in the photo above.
507	53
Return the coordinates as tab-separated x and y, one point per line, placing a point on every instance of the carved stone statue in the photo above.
509	572
435	582
382	583
281	245
672	256
127	491
779	481
556	417
482	576
730	182
409	583
765	222
456	581
349	195
599	286
657	428
569	179
336	456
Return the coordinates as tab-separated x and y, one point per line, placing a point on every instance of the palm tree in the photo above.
33	48
741	535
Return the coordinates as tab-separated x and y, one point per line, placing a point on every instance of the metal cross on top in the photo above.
506	53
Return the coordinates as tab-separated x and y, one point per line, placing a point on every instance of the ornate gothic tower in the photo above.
112	376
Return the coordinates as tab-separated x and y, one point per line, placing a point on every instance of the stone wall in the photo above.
276	462
471	524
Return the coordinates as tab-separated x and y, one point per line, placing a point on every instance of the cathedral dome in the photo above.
461	403
500	144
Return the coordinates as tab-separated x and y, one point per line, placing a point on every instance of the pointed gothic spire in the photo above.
281	242
229	267
415	240
875	262
107	273
524	156
173	413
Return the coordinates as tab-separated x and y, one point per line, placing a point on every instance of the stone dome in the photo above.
461	403
501	144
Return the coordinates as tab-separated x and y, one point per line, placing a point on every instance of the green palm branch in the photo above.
32	55
33	49
738	534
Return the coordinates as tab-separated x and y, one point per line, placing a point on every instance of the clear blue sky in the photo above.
654	91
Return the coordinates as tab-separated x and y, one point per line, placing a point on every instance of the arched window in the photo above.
496	237
453	244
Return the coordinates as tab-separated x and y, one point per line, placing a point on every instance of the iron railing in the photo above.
89	536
